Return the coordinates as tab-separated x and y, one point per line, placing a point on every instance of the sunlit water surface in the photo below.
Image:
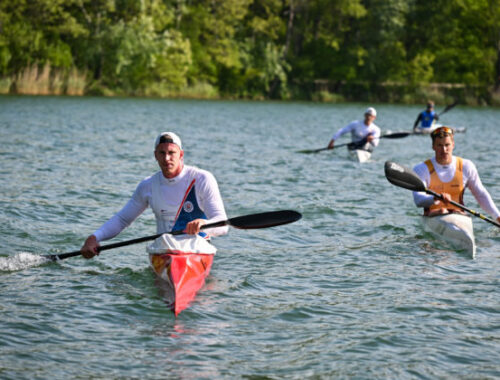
355	289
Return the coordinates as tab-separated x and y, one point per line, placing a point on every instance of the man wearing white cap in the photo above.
365	134
182	198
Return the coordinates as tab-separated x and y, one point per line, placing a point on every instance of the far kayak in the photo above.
454	228
426	131
360	151
360	155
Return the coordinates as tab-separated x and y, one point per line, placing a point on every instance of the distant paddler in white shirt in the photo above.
449	176
365	135
182	198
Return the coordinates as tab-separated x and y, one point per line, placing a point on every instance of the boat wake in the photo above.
20	261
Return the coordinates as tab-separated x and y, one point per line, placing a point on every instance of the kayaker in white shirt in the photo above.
444	164
182	197
365	134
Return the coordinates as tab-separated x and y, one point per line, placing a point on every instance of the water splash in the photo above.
20	261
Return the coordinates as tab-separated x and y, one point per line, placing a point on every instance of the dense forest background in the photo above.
330	50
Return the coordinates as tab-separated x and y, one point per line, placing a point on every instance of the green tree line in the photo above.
258	49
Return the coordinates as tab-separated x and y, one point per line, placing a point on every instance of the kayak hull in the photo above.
360	155
427	131
456	229
182	275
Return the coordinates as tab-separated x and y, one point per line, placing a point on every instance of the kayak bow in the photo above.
454	228
182	275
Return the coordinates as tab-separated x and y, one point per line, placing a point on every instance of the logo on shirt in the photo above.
188	206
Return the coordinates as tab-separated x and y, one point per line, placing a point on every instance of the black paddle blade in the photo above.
402	176
308	151
265	219
449	107
396	135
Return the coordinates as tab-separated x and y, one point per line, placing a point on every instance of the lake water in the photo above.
355	289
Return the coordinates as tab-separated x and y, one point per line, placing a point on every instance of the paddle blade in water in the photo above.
265	219
402	176
20	261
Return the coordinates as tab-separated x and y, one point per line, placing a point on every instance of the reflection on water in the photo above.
166	292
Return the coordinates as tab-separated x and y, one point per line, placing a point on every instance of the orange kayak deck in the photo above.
183	273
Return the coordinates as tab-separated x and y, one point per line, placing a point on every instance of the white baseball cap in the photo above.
371	111
168	137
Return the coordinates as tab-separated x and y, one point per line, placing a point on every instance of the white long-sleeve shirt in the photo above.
173	190
359	130
446	173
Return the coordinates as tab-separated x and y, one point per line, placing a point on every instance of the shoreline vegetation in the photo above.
45	80
50	81
388	51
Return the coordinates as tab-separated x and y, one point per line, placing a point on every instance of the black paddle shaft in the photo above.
475	213
246	222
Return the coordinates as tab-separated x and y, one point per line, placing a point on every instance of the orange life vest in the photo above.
455	187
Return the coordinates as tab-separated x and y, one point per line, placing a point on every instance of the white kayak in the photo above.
426	131
455	228
360	152
360	155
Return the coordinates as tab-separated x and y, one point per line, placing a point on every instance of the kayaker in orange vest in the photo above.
449	175
182	197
